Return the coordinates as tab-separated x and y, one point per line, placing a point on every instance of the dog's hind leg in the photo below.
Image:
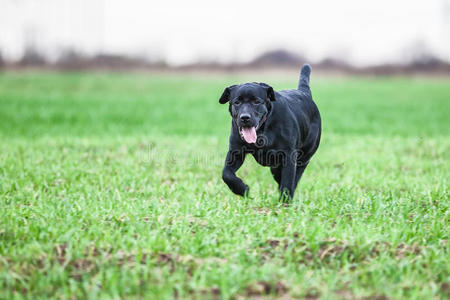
298	174
287	183
276	173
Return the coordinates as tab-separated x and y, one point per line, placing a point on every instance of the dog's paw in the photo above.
285	196
243	190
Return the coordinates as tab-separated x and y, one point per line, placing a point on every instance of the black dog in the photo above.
280	129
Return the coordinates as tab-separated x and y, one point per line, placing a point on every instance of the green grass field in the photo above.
110	187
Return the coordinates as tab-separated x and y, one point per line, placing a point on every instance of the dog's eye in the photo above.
237	102
256	101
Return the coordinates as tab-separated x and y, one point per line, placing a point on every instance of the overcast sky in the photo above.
362	32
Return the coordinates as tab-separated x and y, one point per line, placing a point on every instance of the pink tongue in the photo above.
249	134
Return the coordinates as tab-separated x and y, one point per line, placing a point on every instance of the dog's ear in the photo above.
226	94
271	94
269	89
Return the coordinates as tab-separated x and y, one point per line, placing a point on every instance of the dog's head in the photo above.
249	106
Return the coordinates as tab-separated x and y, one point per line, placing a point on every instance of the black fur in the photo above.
288	128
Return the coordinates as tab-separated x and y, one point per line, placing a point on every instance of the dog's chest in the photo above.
267	157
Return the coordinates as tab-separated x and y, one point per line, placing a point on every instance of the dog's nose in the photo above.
245	118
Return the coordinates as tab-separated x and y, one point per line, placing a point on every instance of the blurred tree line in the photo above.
418	59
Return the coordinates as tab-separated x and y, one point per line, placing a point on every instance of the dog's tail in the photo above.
304	77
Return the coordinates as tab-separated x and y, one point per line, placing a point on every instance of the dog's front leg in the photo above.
233	162
287	180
